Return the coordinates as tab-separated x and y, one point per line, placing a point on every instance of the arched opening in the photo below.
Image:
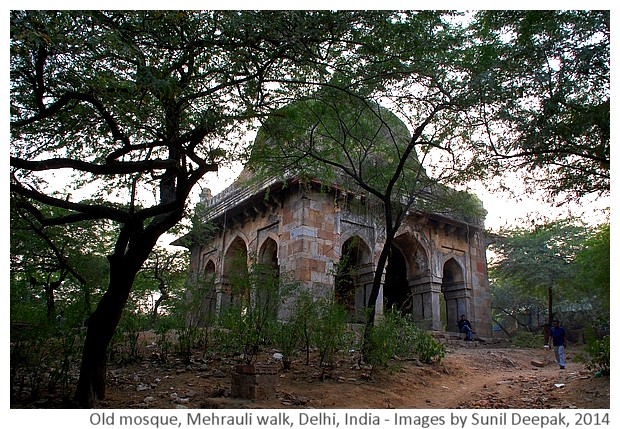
351	278
235	275
454	293
268	256
210	295
267	273
396	291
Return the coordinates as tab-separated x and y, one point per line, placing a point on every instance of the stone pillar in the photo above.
364	288
480	282
307	241
426	310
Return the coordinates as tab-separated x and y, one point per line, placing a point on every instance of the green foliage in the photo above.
144	108
160	284
163	331
531	264
329	332
560	61
395	335
288	337
250	320
387	339
599	353
524	339
428	349
43	356
125	342
593	268
188	336
305	314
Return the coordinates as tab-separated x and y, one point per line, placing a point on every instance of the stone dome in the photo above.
340	128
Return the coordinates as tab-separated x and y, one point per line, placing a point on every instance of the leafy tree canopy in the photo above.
546	78
564	257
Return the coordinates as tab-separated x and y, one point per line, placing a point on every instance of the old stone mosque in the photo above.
436	271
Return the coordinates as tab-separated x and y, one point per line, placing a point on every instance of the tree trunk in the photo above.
101	326
550	309
376	283
162	298
374	294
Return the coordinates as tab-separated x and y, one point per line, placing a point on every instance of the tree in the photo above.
538	262
342	134
545	77
363	148
136	108
65	262
163	277
139	106
593	265
469	95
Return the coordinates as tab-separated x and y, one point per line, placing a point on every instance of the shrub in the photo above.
599	354
396	335
330	331
428	349
288	337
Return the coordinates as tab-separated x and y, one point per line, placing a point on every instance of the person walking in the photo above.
558	335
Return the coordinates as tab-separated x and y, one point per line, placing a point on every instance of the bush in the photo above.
428	349
330	331
396	335
288	337
384	341
599	354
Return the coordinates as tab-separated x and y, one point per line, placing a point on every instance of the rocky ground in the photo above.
472	375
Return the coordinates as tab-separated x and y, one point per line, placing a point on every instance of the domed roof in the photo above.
335	139
328	130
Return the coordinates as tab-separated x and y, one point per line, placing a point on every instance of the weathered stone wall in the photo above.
444	259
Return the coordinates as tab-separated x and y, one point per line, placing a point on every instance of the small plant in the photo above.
251	318
162	332
428	349
396	335
306	313
288	338
188	336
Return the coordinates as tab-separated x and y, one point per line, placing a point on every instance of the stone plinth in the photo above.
254	381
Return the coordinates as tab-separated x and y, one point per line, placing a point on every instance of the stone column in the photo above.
307	241
426	310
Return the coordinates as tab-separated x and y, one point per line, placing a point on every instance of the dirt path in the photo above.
471	376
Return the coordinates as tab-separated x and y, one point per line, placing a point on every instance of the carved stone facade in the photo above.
437	269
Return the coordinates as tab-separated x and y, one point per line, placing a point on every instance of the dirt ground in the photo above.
472	375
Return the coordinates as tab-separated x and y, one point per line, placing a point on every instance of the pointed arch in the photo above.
455	293
452	273
210	294
267	270
268	253
235	272
396	290
352	277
